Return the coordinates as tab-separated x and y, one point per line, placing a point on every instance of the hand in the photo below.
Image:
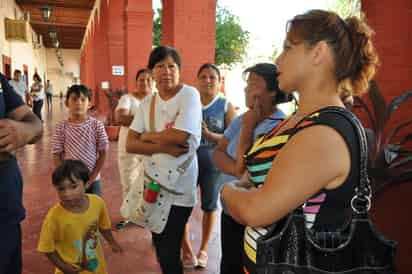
254	116
244	183
12	135
116	248
72	269
177	150
205	130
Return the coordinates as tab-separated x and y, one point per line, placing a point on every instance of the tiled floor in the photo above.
39	196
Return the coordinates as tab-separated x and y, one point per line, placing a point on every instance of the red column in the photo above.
83	67
91	72
394	74
392	40
189	26
138	37
101	54
115	33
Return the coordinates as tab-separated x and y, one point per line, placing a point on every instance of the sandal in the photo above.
189	262
122	224
202	259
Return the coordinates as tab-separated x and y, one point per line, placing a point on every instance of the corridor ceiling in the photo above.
68	18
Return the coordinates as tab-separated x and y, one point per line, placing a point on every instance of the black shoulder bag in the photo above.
356	249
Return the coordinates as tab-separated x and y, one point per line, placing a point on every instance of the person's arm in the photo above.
250	120
57	144
97	167
230	114
245	139
222	160
22	127
58	262
108	236
187	122
302	168
102	145
57	159
169	136
135	144
209	135
123	117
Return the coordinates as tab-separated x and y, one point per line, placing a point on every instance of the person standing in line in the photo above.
37	95
217	114
324	56
81	137
130	163
20	86
262	94
177	120
82	218
49	94
18	127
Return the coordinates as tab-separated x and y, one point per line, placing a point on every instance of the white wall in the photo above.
69	74
20	52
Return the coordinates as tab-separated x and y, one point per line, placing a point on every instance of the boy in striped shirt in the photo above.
81	137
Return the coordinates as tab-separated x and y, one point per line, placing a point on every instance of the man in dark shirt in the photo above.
18	127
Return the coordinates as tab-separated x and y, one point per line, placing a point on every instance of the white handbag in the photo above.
130	208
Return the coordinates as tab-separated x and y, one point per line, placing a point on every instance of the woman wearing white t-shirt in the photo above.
177	130
129	163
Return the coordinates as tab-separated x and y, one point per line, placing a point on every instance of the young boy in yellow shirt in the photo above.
70	232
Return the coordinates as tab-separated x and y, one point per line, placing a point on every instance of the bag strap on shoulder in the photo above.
181	168
361	202
152	113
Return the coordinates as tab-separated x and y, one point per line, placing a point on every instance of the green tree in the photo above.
346	8
231	39
157	28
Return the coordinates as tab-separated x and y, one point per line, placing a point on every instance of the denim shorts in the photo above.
95	188
207	179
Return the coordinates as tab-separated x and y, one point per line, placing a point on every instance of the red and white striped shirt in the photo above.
80	141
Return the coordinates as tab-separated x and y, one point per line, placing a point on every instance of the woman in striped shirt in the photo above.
315	153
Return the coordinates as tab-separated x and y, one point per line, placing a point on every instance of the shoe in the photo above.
189	262
139	222
202	259
122	224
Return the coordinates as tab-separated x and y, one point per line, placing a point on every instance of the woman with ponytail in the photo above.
315	152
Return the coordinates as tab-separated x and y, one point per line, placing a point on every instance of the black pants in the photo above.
49	98
232	234
168	243
37	106
10	249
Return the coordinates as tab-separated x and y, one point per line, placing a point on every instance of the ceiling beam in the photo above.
59	24
82	4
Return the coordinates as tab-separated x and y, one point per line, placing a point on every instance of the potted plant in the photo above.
390	160
112	127
390	169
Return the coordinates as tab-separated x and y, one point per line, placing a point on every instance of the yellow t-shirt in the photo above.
66	232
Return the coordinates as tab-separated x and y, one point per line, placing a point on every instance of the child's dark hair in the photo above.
211	66
70	169
78	90
269	73
141	71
